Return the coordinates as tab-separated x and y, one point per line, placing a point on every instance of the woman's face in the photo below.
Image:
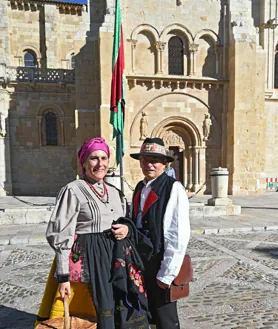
96	165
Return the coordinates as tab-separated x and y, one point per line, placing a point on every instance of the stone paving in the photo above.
235	282
259	213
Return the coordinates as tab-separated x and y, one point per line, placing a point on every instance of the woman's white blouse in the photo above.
73	215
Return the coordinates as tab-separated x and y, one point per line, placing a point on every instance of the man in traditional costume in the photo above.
160	210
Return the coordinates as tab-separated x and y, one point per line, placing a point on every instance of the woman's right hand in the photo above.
64	288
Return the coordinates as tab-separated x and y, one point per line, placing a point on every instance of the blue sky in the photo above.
84	2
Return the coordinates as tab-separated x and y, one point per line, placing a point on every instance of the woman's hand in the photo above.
120	231
64	288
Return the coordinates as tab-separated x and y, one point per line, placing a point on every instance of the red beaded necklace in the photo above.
100	196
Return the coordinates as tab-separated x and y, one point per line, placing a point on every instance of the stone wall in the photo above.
271	149
195	16
183	104
4	33
48	31
53	33
246	116
226	64
38	169
269	41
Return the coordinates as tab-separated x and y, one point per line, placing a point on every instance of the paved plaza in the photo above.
235	282
235	274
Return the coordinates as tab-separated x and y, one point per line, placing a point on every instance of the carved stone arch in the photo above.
20	54
69	53
209	55
144	48
209	33
177	56
147	28
68	59
184	123
176	27
176	33
179	62
183	135
51	106
194	151
136	119
41	124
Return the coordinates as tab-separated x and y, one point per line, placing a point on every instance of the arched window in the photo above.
50	119
276	69
175	56
72	61
50	126
30	59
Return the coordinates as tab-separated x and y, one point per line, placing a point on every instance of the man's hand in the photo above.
64	288
162	285
120	231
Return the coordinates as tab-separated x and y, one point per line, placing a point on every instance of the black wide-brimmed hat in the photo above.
153	147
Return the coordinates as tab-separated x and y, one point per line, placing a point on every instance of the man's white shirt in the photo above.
176	229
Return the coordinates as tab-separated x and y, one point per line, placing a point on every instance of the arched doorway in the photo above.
183	140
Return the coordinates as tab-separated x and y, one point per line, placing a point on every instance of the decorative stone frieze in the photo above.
36	75
64	7
175	82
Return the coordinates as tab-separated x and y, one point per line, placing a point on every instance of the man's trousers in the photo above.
164	314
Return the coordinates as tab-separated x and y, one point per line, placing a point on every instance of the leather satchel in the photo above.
180	286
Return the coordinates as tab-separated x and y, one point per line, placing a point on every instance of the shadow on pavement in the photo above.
267	208
271	251
11	318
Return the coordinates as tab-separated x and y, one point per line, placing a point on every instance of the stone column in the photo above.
193	48
39	118
160	46
219	63
5	158
190	166
133	48
62	131
185	164
195	154
268	38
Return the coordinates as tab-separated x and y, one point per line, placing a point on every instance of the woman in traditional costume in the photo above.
96	262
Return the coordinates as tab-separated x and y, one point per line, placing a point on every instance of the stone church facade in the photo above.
200	75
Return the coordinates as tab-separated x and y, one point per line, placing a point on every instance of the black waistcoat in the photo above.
154	209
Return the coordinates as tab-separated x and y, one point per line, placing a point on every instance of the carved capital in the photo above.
133	44
193	47
160	46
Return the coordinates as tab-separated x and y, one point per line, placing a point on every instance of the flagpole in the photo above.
121	161
117	101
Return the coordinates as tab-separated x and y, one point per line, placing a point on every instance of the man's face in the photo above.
152	166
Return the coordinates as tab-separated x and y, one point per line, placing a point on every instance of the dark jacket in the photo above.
127	270
154	209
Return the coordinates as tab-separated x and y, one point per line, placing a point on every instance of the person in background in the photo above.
160	210
170	171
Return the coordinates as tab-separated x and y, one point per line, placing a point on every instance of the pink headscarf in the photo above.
94	144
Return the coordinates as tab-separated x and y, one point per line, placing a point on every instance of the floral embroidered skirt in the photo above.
92	261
